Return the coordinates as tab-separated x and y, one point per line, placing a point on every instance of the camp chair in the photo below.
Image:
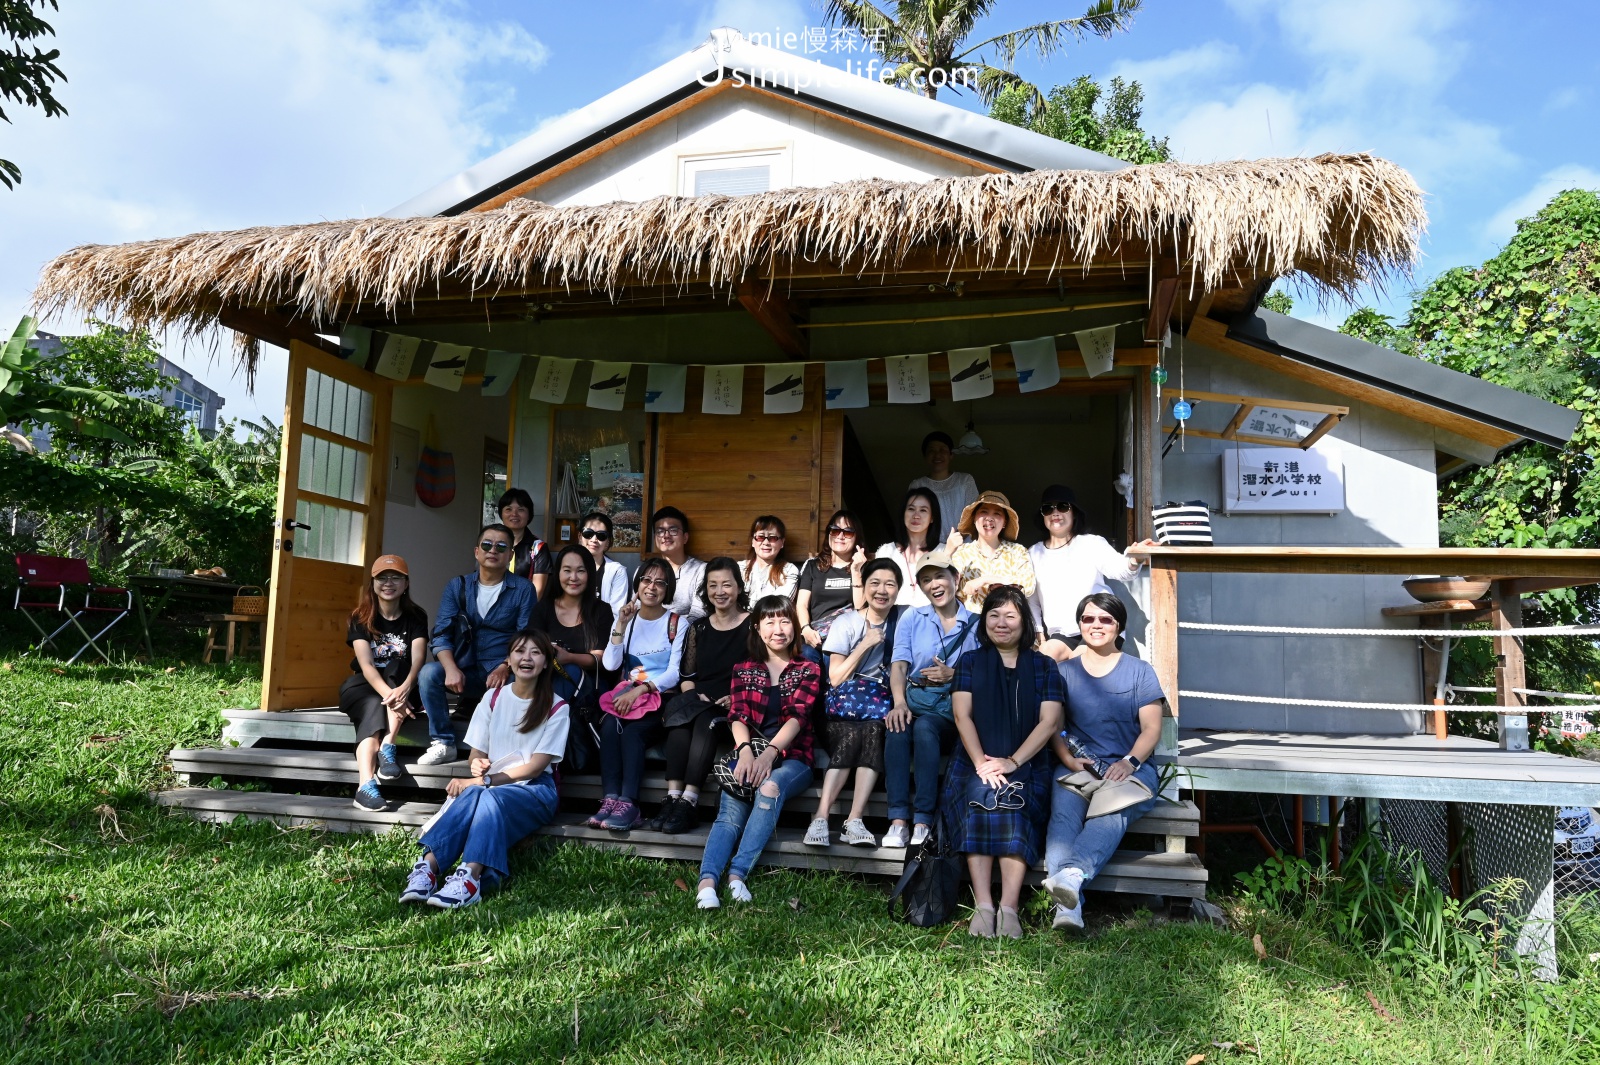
40	575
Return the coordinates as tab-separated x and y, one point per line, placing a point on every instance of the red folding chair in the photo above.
40	575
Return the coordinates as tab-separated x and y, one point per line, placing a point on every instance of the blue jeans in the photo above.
622	747
1071	841
431	689
750	825
916	750
483	823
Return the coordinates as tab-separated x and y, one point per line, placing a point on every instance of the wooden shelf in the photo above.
1443	606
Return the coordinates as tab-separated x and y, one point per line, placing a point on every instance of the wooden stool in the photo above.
249	621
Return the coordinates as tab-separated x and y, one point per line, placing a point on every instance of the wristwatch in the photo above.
1131	760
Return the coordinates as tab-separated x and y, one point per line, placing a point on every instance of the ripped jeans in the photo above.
749	825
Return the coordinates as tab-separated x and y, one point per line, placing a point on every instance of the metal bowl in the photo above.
1439	589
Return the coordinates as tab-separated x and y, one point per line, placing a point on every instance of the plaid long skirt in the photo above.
1000	833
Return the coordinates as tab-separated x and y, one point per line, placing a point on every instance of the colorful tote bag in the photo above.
436	470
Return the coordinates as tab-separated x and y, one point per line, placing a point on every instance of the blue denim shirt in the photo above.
491	636
920	635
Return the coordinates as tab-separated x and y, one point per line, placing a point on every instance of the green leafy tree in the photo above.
926	41
1083	113
26	77
1281	302
113	361
32	395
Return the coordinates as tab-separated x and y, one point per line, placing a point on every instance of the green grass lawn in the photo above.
131	935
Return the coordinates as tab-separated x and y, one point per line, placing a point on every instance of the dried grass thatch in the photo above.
1337	221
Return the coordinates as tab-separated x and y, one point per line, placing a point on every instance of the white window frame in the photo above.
778	160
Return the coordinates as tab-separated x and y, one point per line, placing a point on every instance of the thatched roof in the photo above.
1336	221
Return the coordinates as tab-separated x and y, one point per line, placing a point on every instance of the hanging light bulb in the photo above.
970	443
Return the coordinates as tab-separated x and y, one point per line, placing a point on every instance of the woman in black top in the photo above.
830	584
695	720
530	557
577	621
389	635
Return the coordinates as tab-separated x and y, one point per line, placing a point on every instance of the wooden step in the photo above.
1179	875
1176	819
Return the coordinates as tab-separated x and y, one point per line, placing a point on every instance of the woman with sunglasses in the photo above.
1115	726
1070	563
1007	700
919	535
765	571
596	533
646	644
389	636
529	556
830	584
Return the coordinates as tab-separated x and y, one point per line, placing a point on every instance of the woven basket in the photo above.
254	604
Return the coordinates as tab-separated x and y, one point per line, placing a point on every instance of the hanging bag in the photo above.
436	470
1186	524
866	698
935	698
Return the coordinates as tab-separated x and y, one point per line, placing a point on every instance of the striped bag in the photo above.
436	470
1186	524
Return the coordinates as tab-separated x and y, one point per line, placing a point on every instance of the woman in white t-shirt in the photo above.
517	734
1069	564
765	570
920	532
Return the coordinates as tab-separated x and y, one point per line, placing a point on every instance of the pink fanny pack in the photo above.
646	702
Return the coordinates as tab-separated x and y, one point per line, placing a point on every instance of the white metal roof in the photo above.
727	54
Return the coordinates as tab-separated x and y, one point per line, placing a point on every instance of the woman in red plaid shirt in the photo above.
770	702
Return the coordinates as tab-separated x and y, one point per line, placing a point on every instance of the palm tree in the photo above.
925	41
29	397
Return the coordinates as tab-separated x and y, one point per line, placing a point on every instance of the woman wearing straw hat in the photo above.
993	557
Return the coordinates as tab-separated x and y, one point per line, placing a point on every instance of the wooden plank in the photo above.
280	616
1214	335
1578	566
775	315
1164	631
1263	401
1446	606
1510	670
1163	292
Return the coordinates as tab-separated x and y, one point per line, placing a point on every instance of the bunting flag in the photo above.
500	372
724	390
1037	368
1099	347
784	388
394	362
664	387
608	384
845	385
355	344
908	379
552	379
447	366
971	373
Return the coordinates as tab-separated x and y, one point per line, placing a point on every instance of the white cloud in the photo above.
1503	225
212	116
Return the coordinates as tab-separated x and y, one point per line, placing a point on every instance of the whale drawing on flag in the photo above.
971	371
610	382
783	386
449	364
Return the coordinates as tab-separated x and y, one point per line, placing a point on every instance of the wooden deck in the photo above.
1455	769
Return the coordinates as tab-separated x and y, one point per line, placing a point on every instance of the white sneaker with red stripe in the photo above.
460	889
420	884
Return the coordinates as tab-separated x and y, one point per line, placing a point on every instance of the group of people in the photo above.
950	641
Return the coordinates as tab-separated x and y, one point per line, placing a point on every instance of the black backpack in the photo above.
930	886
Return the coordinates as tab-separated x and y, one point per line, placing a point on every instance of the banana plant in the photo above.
29	398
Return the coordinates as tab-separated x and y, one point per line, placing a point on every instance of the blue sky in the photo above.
190	115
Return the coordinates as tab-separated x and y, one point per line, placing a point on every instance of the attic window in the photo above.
733	181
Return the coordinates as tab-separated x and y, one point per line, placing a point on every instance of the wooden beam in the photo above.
273	328
775	315
1164	633
1510	669
1164	292
1214	335
1579	566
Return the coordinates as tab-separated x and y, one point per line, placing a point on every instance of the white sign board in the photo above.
1280	423
606	462
1281	480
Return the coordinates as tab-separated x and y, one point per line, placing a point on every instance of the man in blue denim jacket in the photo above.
495	606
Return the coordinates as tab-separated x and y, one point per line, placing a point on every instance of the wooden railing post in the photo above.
1164	643
1510	669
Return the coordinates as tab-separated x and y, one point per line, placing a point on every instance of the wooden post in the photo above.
1510	670
1432	662
1164	643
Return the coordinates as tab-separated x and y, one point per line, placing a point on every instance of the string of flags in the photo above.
908	378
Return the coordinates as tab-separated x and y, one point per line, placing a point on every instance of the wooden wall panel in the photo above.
722	471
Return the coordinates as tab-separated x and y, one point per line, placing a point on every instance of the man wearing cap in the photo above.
921	728
956	491
478	615
1069	564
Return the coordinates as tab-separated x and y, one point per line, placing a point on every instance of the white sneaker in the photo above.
706	899
1069	919
438	753
460	889
855	833
420	884
817	833
920	834
738	892
1065	887
895	837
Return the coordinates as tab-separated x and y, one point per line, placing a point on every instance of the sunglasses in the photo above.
1055	508
489	547
1097	619
840	530
767	538
652	582
595	534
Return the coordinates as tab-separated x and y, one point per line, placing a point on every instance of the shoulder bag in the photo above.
930	884
923	698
